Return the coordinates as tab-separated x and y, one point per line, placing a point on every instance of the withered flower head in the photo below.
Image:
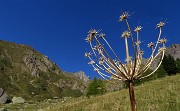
91	35
138	42
100	51
160	24
93	32
125	34
101	35
101	62
96	69
151	44
88	39
91	62
141	52
138	28
95	47
162	41
87	54
124	16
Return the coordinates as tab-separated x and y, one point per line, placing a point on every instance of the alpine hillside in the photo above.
27	73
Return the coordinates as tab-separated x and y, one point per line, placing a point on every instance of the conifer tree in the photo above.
178	65
169	65
96	87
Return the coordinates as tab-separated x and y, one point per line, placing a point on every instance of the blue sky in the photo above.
57	28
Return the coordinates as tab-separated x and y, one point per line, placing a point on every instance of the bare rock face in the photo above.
81	75
4	98
36	64
174	51
71	84
18	100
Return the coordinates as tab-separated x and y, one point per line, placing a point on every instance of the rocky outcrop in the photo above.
74	85
4	98
18	100
174	51
81	75
37	64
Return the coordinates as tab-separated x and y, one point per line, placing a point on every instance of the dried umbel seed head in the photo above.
151	44
96	69
141	52
138	42
87	54
107	64
101	35
162	41
100	51
160	24
124	16
125	34
91	35
88	39
91	62
137	29
92	32
101	62
95	47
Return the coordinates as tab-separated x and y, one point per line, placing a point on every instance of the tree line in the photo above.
170	65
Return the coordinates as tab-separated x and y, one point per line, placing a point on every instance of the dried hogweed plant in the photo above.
109	66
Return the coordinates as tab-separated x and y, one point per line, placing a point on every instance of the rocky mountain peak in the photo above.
81	75
174	51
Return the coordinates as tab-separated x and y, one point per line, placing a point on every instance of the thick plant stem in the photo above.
132	96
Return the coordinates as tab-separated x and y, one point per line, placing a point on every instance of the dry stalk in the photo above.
109	66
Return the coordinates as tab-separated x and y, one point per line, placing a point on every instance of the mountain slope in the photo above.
174	51
27	73
157	95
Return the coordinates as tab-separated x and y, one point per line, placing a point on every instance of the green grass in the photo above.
157	95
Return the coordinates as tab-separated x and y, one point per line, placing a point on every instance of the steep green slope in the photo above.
27	73
157	95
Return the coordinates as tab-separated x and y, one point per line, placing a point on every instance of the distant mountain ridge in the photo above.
174	51
27	73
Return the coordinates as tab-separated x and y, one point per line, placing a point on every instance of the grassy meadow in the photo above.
157	95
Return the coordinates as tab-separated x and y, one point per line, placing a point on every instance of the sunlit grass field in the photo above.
157	95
